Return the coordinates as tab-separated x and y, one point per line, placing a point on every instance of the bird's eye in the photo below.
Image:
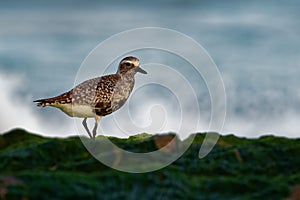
127	64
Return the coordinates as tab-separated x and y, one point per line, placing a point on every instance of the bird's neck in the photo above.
127	74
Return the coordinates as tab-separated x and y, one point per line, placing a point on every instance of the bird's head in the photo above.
130	64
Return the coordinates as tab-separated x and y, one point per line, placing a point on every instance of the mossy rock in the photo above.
34	167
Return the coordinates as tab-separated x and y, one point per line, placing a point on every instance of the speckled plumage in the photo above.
97	97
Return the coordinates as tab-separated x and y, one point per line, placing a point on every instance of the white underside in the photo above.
82	111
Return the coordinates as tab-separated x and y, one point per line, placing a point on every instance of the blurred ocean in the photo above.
255	45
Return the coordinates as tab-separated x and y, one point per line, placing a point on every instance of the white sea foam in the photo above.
19	111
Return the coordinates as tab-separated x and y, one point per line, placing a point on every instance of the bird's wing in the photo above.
95	91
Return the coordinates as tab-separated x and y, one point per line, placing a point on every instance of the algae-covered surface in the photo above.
34	167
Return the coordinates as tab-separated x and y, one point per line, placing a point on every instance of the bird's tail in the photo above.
48	102
43	102
60	99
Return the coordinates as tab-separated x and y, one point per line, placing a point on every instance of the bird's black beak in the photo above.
138	69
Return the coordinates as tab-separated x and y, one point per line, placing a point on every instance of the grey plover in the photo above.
97	97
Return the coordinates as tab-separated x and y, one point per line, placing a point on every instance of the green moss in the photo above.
237	168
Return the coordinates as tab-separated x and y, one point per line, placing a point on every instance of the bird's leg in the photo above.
97	120
86	128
